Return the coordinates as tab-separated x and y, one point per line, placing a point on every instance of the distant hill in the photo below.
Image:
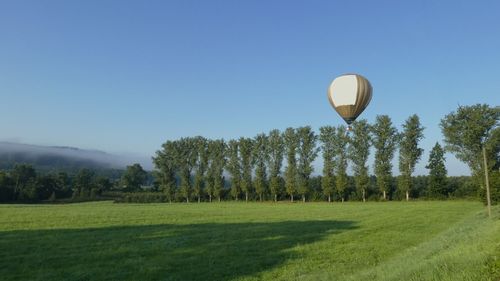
63	157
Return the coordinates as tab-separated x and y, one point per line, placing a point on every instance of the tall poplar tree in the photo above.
165	169
358	151
327	138
307	152
409	152
291	145
216	169
340	143
234	167
276	149
260	154
209	179
201	146
186	156
247	163
384	139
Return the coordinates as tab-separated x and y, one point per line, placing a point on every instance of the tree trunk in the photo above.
291	198
219	198
383	195
210	198
187	199
275	197
329	198
304	198
260	197
342	199
488	200
407	196
199	199
364	199
246	196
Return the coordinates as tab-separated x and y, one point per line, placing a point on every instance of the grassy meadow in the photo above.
451	240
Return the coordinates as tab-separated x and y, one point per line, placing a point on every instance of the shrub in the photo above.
142	197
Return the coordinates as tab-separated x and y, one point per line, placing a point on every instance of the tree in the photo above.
217	162
186	156
165	169
102	184
409	152
495	184
24	177
63	185
133	177
45	187
291	145
201	163
467	134
438	186
384	139
260	154
327	139
276	149
83	183
358	151
6	187
234	167
247	163
340	143
29	191
493	148
307	152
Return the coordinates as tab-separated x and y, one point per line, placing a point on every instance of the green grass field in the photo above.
250	241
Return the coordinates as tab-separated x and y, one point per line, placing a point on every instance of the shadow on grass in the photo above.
213	251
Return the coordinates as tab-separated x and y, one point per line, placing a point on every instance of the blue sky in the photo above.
124	76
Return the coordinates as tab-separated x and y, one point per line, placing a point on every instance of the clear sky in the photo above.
125	76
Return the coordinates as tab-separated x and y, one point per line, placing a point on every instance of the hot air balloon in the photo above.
349	95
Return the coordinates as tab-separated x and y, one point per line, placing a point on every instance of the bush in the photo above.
494	179
142	197
495	187
463	187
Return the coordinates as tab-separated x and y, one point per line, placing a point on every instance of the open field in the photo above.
254	241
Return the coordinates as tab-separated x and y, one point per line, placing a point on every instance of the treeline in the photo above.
279	165
23	183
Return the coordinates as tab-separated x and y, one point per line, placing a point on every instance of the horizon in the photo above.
137	74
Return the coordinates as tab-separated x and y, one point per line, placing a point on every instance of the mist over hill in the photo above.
64	157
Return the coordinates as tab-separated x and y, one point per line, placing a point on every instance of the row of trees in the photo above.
24	184
254	165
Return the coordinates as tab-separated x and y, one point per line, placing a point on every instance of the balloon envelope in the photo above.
349	95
